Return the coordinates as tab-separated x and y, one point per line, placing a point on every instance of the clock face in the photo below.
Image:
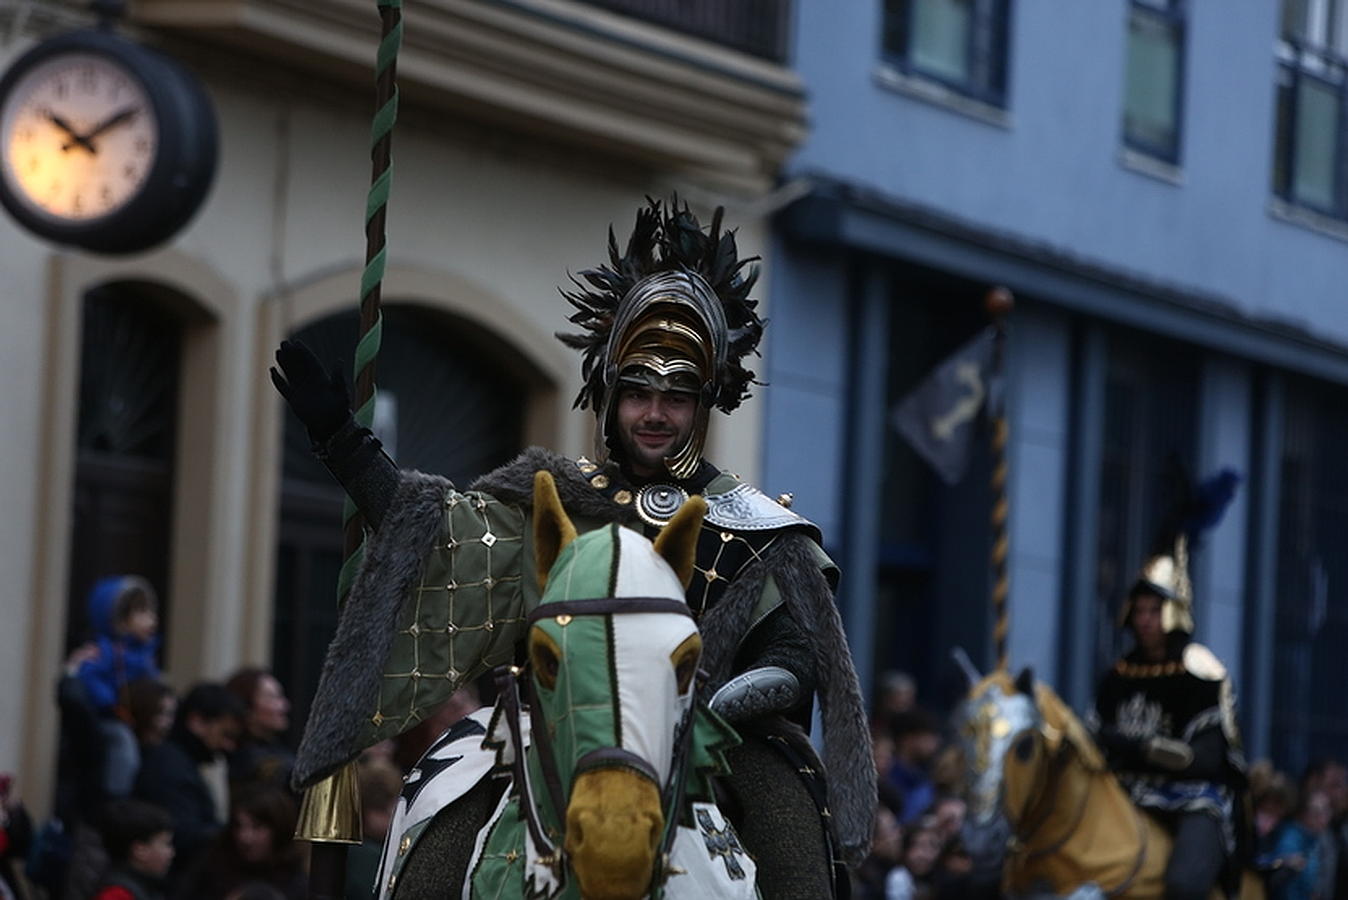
78	138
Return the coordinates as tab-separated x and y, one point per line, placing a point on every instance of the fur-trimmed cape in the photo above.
339	725
793	563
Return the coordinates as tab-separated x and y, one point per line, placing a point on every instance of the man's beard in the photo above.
637	455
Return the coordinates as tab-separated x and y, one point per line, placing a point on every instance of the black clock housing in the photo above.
184	163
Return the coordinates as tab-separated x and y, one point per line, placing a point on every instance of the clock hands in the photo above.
75	137
87	140
113	121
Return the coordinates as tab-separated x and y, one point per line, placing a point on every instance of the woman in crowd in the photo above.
152	706
256	847
262	756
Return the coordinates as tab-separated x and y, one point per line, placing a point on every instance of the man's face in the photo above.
219	735
652	425
1146	622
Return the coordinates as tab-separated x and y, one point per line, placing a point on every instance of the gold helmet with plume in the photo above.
1167	576
672	313
1195	509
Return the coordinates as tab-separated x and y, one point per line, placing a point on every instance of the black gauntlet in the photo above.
319	399
357	460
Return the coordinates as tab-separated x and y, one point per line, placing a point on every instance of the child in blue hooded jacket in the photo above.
124	613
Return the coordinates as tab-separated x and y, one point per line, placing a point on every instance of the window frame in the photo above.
1174	14
987	42
1298	58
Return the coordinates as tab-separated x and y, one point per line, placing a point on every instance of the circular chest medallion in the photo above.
657	503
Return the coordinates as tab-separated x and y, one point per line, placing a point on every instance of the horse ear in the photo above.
553	529
677	541
966	668
1025	681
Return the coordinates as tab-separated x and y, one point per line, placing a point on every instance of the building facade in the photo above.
142	431
1162	184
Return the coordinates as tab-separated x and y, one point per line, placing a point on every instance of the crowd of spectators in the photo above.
1301	830
1299	827
917	853
162	796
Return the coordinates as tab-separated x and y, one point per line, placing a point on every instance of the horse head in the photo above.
613	653
1016	735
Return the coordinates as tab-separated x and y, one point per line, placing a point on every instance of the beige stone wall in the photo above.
482	225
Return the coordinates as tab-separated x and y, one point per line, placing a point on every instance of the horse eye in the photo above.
1025	748
685	658
545	658
684	674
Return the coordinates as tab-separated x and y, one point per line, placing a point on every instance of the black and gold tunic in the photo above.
1188	699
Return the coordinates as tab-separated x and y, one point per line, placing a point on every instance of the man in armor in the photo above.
1168	727
447	578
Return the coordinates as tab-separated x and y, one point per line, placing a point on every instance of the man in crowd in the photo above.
185	774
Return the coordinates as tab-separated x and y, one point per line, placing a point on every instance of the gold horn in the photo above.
330	811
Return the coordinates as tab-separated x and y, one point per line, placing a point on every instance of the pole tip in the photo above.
999	301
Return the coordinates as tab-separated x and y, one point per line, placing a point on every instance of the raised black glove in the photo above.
317	397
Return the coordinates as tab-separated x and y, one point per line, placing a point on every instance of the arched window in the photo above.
452	402
130	360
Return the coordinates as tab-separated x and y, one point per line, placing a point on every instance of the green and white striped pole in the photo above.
330	816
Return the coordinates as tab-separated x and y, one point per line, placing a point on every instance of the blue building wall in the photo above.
1052	172
1101	246
808	383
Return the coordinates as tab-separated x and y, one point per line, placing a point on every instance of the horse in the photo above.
1042	797
591	777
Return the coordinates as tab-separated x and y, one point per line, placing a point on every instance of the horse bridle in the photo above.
1042	777
509	679
1056	764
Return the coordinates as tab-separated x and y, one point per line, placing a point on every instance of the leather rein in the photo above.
1039	800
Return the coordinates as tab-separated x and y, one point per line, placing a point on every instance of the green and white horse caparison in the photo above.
593	771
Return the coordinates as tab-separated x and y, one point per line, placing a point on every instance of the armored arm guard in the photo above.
756	692
357	460
779	641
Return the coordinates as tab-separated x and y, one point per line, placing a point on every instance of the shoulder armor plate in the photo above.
746	508
1203	663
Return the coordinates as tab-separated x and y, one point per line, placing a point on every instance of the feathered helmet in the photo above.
1196	508
672	313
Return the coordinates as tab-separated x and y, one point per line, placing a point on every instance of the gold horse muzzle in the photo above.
614	823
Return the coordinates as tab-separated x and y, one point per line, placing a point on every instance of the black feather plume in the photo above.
666	238
1194	508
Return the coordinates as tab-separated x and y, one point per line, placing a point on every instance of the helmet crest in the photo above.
667	239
